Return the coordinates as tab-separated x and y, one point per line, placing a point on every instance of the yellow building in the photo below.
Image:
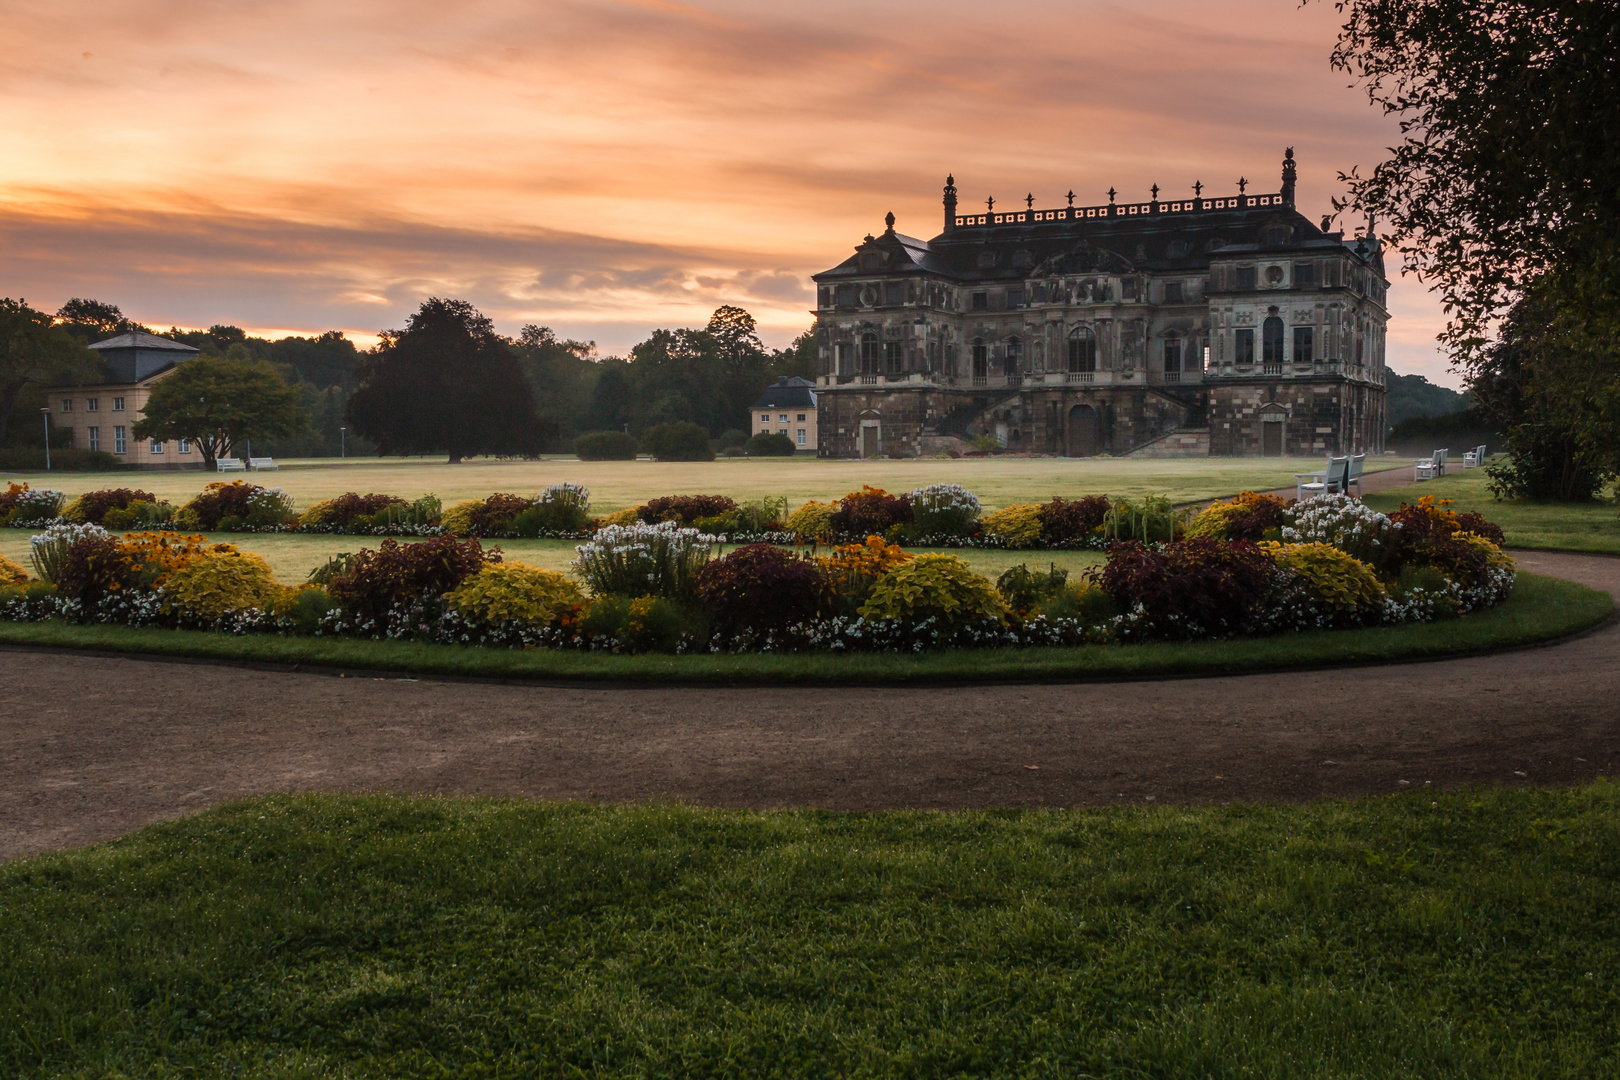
788	407
103	414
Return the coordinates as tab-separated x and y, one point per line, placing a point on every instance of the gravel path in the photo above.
92	747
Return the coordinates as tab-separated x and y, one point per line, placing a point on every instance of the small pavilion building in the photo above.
788	407
103	414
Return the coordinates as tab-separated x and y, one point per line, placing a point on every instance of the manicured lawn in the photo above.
1540	609
616	484
1591	526
1426	935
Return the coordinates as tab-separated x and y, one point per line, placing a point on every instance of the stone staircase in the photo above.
1182	442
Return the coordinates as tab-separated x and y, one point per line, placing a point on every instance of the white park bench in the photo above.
1334	478
1474	458
263	464
229	464
1353	476
1430	467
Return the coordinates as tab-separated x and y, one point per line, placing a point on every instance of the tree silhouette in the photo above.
446	383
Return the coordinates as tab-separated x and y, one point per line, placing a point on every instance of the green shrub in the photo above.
812	521
1018	526
941	587
606	446
118	520
93	506
216	583
1338	580
306	607
424	511
681	441
512	591
458	520
770	444
733	439
1024	589
643	623
333	568
564	507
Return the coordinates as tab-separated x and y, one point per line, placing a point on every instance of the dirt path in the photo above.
91	747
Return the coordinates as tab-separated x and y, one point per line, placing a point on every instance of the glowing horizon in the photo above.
605	167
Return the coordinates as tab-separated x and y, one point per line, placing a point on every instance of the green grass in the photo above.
1541	609
616	484
1593	526
1427	936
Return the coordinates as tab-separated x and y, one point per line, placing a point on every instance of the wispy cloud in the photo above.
609	166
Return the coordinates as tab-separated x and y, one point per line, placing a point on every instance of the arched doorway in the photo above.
1084	436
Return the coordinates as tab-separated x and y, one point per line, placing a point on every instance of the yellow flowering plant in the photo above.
513	591
1339	580
941	587
1018	525
216	583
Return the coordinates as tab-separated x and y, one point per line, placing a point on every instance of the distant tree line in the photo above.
447	383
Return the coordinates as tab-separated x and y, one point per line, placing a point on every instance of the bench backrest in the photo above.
256	461
1356	462
228	463
1338	472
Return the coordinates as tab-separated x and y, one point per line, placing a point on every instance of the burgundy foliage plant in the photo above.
1073	519
95	504
869	512
399	572
1192	588
685	509
763	587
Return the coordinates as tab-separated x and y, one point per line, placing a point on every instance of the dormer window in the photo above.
870	260
1274	236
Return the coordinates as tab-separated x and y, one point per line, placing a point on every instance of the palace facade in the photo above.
1197	326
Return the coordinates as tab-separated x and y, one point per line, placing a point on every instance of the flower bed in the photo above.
661	588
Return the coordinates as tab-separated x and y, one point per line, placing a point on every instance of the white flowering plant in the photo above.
1347	524
644	560
944	510
48	551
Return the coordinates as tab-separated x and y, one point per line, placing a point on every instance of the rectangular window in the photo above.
118	404
1172	292
67	404
184	446
1245	277
893	292
1305	275
1245	347
801	435
157	447
95	438
1172	355
801	418
981	301
764	417
118	440
1304	344
1040	294
782	419
892	362
92	404
1015	298
846	296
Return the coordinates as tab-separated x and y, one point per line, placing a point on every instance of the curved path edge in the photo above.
92	747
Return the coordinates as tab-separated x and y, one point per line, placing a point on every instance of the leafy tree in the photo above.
563	374
446	383
35	353
1408	396
612	400
217	403
94	319
1502	195
798	359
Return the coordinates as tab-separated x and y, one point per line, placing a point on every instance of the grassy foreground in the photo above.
1593	526
1540	609
1429	935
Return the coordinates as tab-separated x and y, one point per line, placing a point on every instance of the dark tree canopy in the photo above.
218	404
99	320
35	353
1504	195
446	384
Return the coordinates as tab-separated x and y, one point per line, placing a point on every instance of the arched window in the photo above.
869	354
1272	345
981	361
1082	349
1015	356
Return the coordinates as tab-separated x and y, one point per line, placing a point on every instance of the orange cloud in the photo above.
607	167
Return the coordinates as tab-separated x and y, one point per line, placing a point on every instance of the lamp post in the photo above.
343	444
45	414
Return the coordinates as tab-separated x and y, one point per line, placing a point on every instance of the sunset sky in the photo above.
604	167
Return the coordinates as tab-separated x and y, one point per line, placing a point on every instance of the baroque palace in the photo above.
1195	326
